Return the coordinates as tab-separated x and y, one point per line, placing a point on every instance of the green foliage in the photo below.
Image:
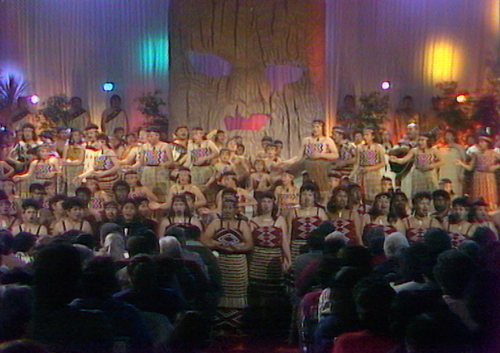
10	90
150	104
374	107
55	109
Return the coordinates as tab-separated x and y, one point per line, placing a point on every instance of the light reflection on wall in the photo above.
154	55
444	61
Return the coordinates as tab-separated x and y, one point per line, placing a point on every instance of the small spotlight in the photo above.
34	99
461	98
108	86
385	85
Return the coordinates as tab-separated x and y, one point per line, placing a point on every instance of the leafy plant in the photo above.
55	110
374	107
150	104
10	90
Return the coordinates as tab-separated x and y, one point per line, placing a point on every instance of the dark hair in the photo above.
375	210
154	129
6	242
421	195
140	245
267	195
103	137
110	204
91	127
85	190
182	198
115	97
350	193
120	183
332	206
30	203
310	186
396	211
36	187
143	272
129	201
356	256
55	199
440	193
453	272
316	240
461	201
72	202
23	242
437	240
192	233
99	278
140	199
132	172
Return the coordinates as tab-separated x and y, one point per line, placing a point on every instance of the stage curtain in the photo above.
412	43
73	47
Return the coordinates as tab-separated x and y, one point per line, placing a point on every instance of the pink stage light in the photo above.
385	85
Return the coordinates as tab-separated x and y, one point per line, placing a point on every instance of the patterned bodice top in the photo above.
317	147
388	229
103	162
200	152
303	226
423	159
268	236
153	157
184	224
484	161
347	227
96	203
415	235
288	199
43	169
228	236
369	157
458	238
75	153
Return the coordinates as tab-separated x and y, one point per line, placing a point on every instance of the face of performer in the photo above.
116	103
317	129
356	195
75	103
287	178
129	211
153	137
28	133
225	156
422	207
44	153
111	212
266	205
75	214
448	187
58	207
412	131
132	179
386	136
221	138
30	214
460	212
101	144
198	135
131	139
190	201
260	166
92	184
229	209
90	135
182	133
76	136
143	136
341	199
232	145
240	150
368	136
338	137
441	203
4	207
228	181
449	137
179	207
272	151
50	189
38	195
143	208
184	177
482	213
483	144
423	142
334	182
84	196
307	198
386	185
121	193
384	204
358	138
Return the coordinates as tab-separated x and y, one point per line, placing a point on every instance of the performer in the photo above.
179	214
418	223
304	220
347	152
484	163
22	115
379	217
179	145
426	161
287	194
231	237
136	188
318	151
183	185
98	197
105	165
405	115
24	151
114	116
449	152
343	217
481	218
74	208
29	220
229	181
73	160
457	226
201	153
369	164
79	118
260	181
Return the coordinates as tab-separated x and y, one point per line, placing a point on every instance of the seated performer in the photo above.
74	208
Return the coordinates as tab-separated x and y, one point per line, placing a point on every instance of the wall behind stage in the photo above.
73	47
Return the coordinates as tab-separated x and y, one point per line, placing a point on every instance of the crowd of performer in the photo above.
228	235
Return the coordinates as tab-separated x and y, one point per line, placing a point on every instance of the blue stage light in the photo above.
108	86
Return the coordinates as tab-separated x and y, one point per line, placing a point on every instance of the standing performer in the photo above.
319	151
180	144
73	160
114	117
105	165
304	220
449	153
347	152
79	118
201	153
232	238
426	162
369	164
418	223
484	164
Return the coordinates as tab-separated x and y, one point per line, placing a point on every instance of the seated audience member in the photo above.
373	300
23	246
59	327
98	286
130	220
16	312
8	260
145	295
29	220
111	212
22	346
74	208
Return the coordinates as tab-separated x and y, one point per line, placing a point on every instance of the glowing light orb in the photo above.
34	99
108	86
385	85
461	98
444	61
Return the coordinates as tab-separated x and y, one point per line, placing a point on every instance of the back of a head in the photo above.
394	243
373	297
178	232
57	271
355	256
143	272
316	240
6	241
171	247
192	233
99	278
23	242
16	311
437	240
453	272
414	261
334	242
139	245
107	228
115	244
